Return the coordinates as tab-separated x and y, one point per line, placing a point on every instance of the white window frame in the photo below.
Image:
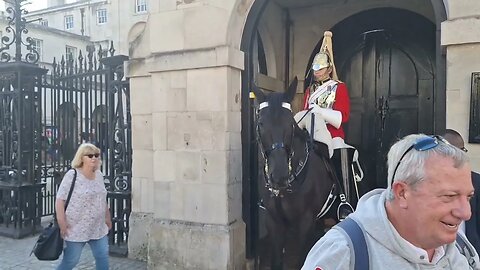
70	51
68	20
37	45
140	6
102	17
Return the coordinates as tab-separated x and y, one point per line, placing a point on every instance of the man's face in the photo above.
322	74
437	205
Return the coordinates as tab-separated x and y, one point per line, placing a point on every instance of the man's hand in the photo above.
330	116
316	109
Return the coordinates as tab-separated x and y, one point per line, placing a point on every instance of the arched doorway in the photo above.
381	56
387	58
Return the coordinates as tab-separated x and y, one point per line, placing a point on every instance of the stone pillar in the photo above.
185	99
461	39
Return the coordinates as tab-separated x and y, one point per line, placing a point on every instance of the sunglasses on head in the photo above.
422	144
92	155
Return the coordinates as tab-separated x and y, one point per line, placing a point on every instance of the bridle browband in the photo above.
293	175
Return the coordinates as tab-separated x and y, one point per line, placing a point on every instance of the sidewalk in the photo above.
15	255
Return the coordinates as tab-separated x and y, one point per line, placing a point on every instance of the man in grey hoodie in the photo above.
413	223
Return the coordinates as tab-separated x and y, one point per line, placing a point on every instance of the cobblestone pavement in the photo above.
15	255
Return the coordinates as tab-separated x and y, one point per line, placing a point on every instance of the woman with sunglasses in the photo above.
87	217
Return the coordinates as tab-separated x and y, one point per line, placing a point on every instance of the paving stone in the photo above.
15	255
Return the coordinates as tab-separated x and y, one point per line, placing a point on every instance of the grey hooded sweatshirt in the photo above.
387	249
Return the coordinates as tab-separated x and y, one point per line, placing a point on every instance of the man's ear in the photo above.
400	192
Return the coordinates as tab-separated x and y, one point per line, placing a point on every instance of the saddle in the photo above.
345	177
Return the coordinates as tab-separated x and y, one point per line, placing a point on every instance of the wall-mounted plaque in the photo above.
474	131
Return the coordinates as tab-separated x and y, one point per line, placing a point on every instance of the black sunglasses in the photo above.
92	155
421	144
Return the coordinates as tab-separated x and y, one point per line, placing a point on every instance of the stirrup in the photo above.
344	208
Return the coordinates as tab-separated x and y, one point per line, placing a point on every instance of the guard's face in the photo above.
322	74
437	205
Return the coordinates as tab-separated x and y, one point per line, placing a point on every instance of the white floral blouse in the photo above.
86	210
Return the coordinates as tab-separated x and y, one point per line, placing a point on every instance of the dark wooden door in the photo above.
391	85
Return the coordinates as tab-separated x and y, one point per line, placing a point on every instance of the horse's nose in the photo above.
280	181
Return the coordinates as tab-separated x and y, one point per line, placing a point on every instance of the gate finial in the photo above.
17	27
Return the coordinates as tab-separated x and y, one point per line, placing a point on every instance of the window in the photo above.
68	22
37	45
44	22
70	53
101	16
140	6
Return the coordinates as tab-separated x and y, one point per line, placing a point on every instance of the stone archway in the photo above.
437	13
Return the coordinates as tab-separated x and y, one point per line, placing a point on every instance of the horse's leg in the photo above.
277	237
306	238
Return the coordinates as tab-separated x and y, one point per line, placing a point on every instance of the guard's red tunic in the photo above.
341	104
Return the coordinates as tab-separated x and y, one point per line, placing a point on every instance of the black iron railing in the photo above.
45	114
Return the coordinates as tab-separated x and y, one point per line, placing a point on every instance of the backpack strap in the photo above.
359	259
465	249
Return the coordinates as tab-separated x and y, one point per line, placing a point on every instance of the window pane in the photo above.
37	45
70	52
102	16
140	6
69	22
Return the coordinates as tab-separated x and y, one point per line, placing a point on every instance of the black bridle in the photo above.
275	146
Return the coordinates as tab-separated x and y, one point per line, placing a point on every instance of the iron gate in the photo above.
45	114
87	99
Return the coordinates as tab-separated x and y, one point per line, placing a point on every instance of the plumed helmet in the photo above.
324	58
321	60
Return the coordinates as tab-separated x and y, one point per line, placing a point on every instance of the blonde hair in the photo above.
84	149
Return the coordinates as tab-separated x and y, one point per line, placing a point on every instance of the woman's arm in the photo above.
61	217
108	218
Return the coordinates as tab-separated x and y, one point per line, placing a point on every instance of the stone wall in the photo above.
185	70
185	98
461	39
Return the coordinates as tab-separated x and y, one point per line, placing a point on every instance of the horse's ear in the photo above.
259	95
291	91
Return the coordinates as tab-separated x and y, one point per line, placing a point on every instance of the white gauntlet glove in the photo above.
330	116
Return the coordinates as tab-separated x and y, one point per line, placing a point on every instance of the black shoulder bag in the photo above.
49	244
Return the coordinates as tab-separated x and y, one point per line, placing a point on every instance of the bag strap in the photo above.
71	188
359	258
465	249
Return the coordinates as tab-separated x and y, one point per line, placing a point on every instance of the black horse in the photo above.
299	182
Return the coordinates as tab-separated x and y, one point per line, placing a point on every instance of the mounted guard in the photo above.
326	109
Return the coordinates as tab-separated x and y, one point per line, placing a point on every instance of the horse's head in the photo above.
275	133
